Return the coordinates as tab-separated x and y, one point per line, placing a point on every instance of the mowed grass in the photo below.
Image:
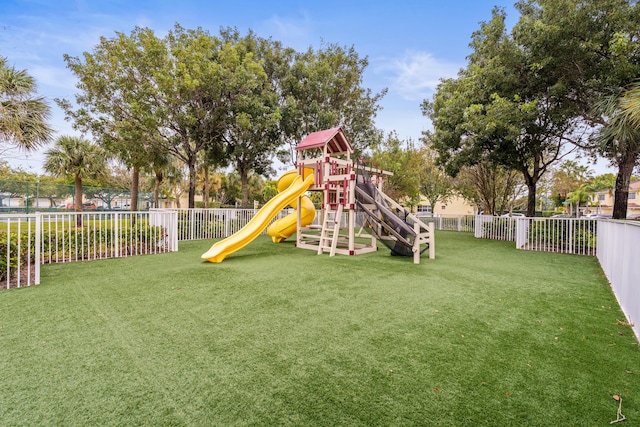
482	335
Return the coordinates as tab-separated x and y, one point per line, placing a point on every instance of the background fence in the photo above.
33	196
198	224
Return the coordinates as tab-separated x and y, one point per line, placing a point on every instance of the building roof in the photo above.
333	138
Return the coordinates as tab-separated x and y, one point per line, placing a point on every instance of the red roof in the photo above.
333	138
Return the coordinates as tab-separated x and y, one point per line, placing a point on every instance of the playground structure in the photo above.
355	212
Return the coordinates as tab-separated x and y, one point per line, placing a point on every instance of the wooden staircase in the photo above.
330	231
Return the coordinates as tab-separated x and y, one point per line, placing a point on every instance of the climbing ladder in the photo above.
330	230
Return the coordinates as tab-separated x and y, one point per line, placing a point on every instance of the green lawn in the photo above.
482	335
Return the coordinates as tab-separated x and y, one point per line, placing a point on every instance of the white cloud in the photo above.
293	32
416	75
54	77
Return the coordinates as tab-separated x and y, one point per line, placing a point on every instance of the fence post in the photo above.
522	229
38	247
432	241
116	238
192	223
172	229
570	233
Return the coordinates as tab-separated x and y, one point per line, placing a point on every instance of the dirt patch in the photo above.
26	277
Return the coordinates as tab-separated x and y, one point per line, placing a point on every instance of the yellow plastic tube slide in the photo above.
285	227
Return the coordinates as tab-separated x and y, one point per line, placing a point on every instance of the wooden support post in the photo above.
416	243
432	240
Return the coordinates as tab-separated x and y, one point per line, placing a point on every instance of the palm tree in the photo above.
77	157
630	104
23	117
619	141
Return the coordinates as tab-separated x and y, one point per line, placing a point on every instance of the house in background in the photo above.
456	205
602	201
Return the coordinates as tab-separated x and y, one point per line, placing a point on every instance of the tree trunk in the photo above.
77	199
135	186
244	179
621	195
192	183
531	198
207	187
156	189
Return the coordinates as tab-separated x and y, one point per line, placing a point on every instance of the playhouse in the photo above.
354	213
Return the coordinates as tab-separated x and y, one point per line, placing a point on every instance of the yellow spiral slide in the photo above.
291	186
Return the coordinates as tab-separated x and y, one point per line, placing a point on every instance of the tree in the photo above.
502	110
619	141
595	46
23	116
252	135
435	185
568	177
269	191
490	187
151	94
77	157
579	196
630	105
323	89
403	160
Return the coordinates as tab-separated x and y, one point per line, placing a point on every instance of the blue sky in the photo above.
410	44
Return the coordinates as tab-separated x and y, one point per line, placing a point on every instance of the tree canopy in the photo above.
527	96
501	110
237	98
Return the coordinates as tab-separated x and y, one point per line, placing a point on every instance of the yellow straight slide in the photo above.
254	227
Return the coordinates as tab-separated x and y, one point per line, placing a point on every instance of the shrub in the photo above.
564	235
17	256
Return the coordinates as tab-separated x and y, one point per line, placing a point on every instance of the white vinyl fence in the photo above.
44	238
19	259
198	224
464	223
562	235
619	258
495	228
